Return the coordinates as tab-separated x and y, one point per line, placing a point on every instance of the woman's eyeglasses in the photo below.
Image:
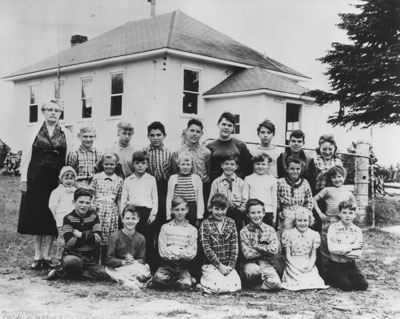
55	110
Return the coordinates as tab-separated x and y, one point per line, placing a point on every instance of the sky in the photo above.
294	32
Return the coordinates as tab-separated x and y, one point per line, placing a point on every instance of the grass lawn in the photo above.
26	293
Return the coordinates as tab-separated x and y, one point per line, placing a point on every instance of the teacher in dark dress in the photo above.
41	163
227	144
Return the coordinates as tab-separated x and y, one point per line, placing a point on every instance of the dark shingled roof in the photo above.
256	79
174	30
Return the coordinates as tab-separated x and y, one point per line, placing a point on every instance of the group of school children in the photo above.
146	217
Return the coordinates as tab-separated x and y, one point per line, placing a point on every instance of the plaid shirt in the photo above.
159	162
106	188
220	247
318	169
258	241
233	190
84	162
291	197
89	225
341	239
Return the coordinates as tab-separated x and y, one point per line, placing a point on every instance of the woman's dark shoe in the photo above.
36	264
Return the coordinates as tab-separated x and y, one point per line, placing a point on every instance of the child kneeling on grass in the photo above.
301	244
219	241
126	252
82	233
177	245
259	242
345	244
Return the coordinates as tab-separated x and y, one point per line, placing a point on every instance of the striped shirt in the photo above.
219	246
184	188
177	242
332	197
201	160
89	226
258	241
84	162
294	196
159	162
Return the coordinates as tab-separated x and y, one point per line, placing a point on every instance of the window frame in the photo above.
37	102
62	94
82	78
116	94
287	129
197	94
237	126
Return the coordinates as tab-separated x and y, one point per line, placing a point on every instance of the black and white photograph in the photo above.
200	159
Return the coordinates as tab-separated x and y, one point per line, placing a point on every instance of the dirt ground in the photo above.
26	294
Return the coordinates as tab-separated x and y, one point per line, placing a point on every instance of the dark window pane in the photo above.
292	112
117	83
87	108
189	103
116	105
33	113
191	80
237	124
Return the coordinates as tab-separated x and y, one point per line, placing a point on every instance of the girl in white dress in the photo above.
300	245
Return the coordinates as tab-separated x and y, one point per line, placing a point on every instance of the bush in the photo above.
387	211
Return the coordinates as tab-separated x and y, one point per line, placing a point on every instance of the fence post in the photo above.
361	181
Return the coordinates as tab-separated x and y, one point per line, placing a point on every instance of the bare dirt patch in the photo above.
26	294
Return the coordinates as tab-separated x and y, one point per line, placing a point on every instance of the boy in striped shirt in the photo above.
82	233
177	244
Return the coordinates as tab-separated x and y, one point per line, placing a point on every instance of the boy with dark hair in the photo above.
295	149
226	143
345	243
82	233
266	132
159	166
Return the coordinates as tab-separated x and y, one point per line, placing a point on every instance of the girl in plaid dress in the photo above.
107	189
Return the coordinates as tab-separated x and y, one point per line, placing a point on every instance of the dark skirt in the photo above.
35	217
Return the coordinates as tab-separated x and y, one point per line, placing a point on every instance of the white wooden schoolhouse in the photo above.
169	68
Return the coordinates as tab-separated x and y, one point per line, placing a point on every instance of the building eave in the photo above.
136	56
260	91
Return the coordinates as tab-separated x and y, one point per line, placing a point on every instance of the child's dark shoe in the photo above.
36	264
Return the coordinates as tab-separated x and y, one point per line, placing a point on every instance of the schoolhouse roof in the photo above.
174	30
256	79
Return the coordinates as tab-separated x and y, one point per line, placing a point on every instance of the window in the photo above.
117	90
237	124
33	103
190	91
292	119
59	89
87	97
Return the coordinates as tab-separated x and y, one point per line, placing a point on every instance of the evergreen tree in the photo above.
365	74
